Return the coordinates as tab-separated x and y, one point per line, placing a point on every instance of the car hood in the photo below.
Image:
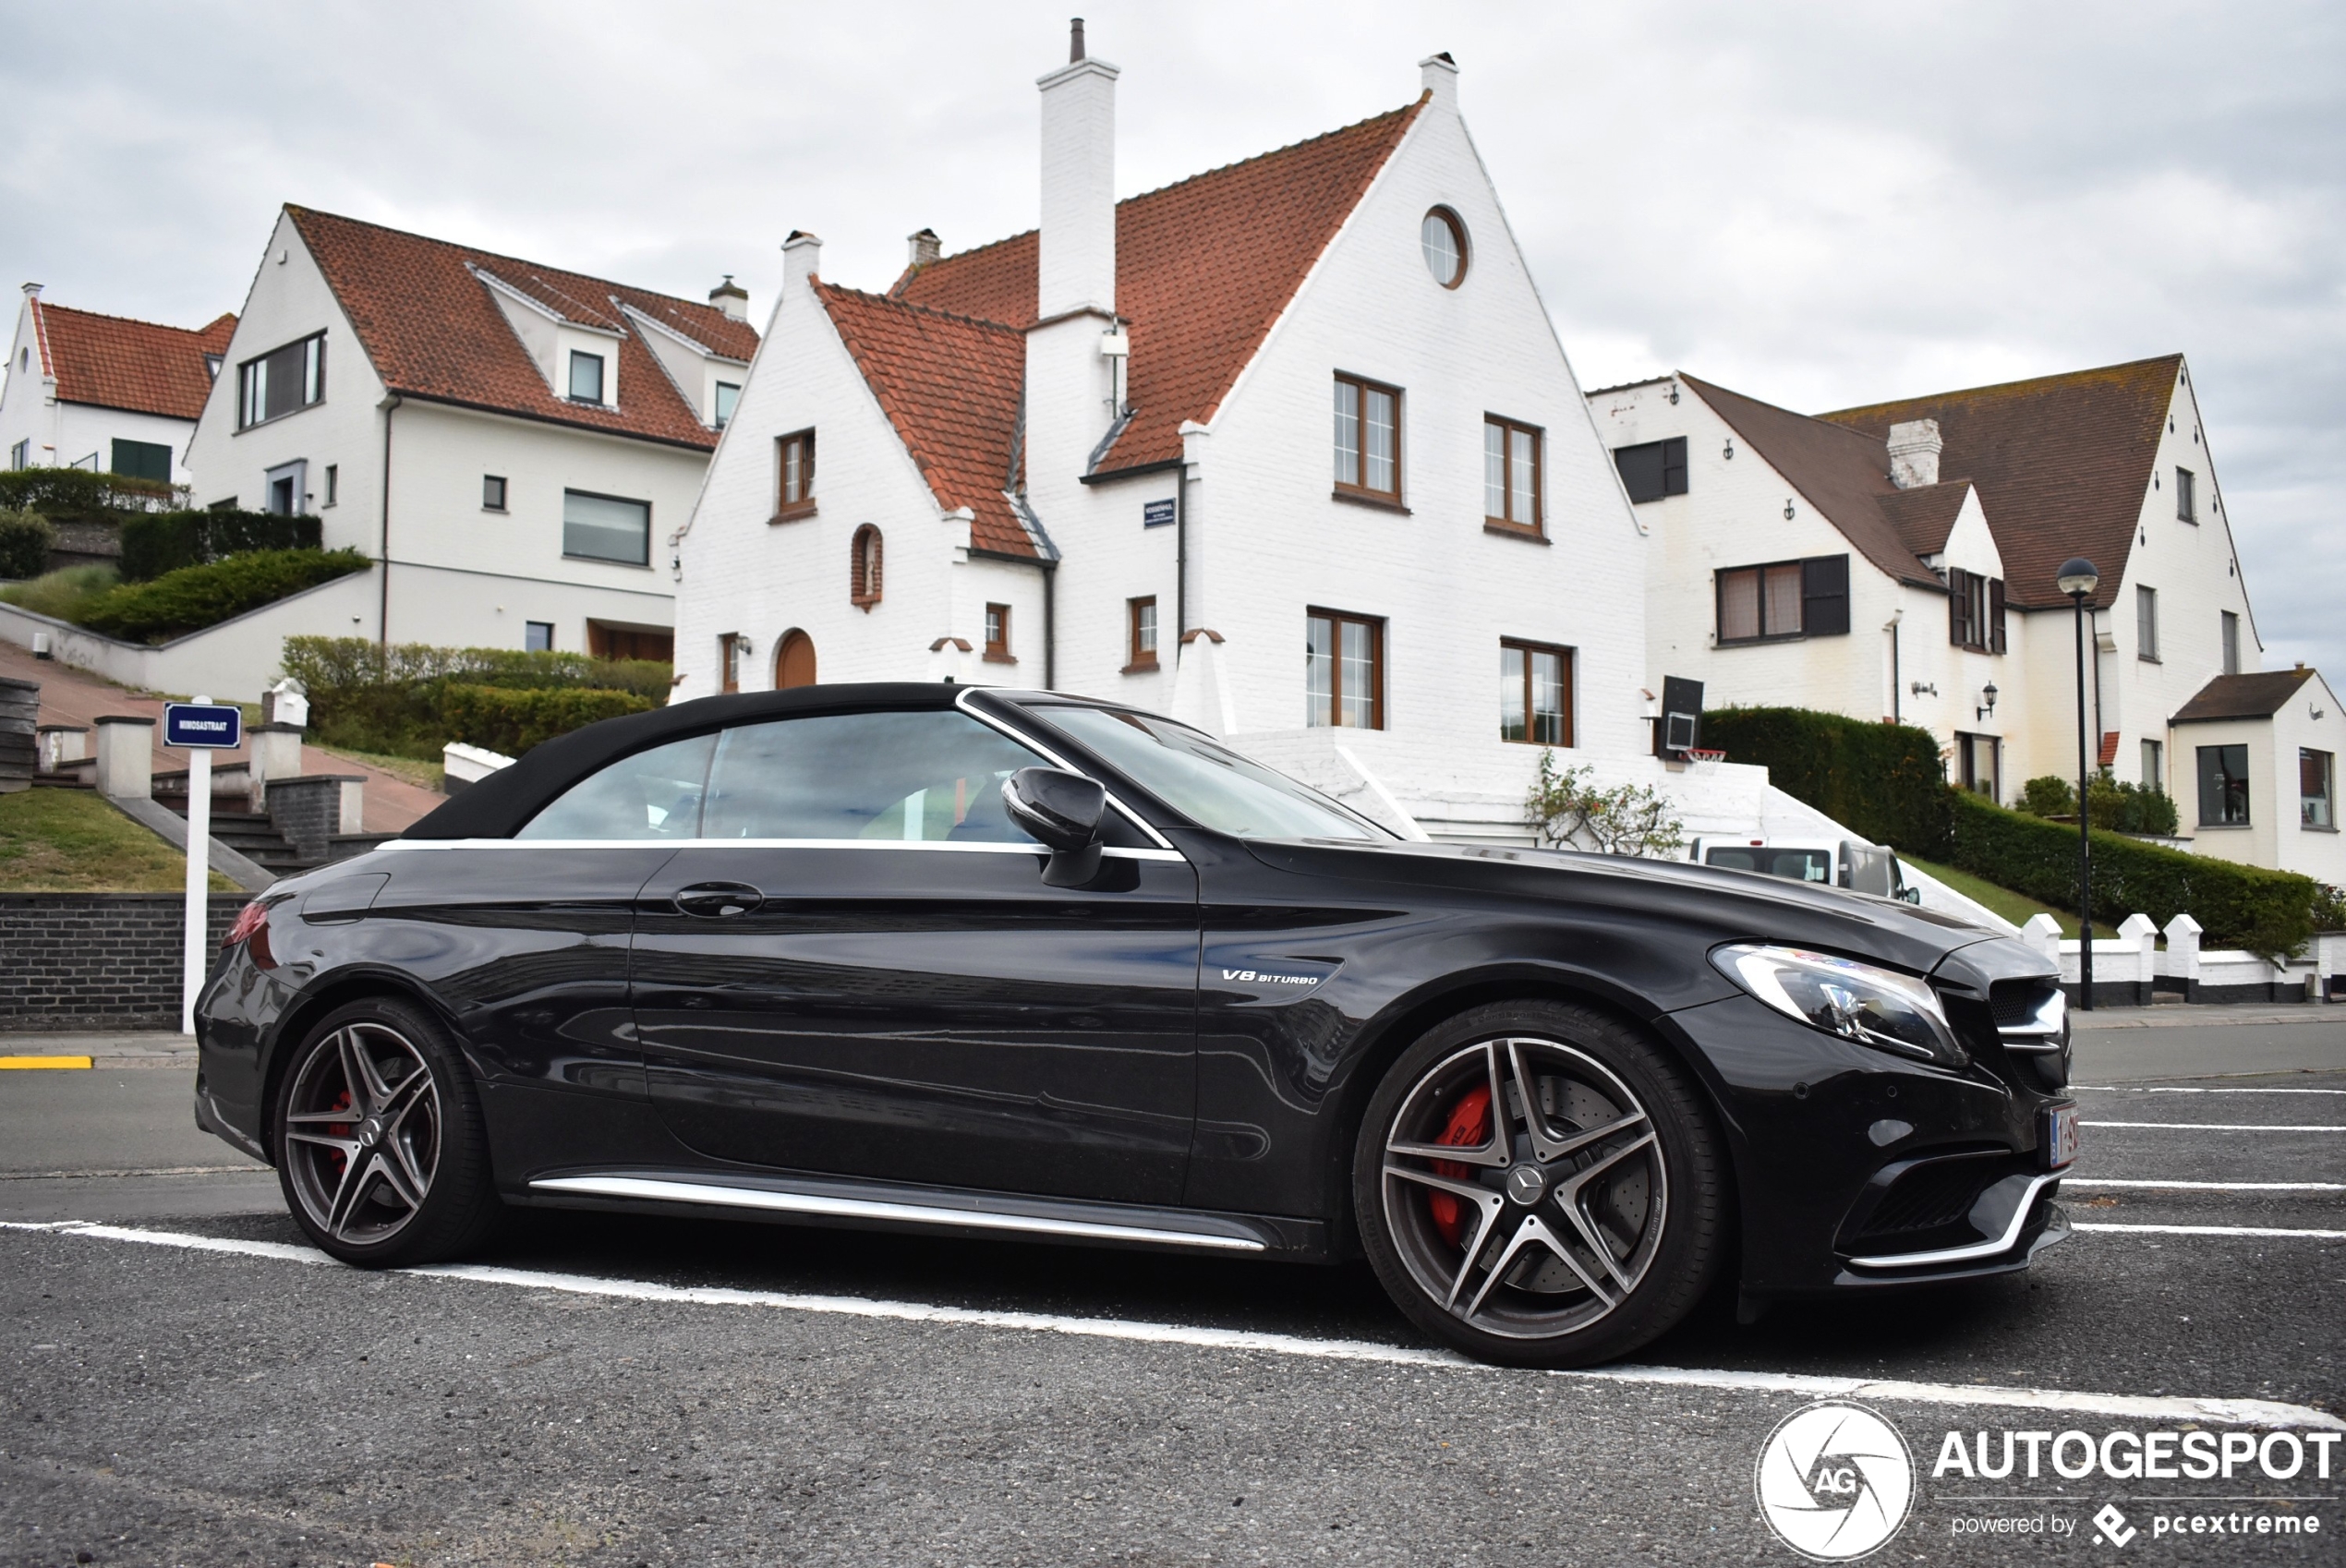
1724	906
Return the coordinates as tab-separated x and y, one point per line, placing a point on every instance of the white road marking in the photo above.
2219	1127
2216	1230
2209	1185
2237	1412
2123	1089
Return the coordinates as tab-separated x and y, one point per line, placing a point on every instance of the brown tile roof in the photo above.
113	362
1203	269
2257	695
433	330
950	385
1843	474
1925	515
2062	462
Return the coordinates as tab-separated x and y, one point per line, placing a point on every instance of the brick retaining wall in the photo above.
96	960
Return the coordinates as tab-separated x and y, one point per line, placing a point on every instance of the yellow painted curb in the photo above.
39	1062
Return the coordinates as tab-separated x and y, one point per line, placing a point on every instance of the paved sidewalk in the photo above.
2176	1015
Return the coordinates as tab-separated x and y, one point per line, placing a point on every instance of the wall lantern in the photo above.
1987	695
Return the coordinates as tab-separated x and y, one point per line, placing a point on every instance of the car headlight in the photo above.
1874	1006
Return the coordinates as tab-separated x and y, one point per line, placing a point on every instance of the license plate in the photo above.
2061	1137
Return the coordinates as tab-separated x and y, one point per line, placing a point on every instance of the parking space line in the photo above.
2214	1230
2218	1126
45	1064
2234	1412
2068	1182
2162	1088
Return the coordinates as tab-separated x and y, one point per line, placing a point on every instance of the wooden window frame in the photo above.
1719	604
1566	655
785	509
1137	659
867	579
1536	526
1449	219
998	634
1354	490
1338	620
1976	614
729	661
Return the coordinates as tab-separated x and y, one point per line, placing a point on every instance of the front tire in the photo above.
380	1151
1538	1184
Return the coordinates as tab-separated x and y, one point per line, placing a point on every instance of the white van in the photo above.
1831	862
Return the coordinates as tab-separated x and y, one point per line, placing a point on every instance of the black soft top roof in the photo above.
502	804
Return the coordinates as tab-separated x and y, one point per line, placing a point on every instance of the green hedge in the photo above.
26	538
1883	781
2269	912
196	596
401	700
158	542
512	722
76	494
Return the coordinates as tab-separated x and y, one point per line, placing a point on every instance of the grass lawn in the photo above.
409	771
70	841
2014	907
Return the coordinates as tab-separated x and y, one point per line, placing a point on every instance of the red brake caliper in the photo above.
339	1130
1470	1125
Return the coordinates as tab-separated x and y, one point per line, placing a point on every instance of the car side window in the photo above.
654	794
907	777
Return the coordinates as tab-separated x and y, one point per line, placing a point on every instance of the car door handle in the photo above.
719	899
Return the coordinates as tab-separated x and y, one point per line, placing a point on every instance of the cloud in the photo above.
1821	204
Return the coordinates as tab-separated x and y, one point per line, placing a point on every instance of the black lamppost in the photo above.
2078	580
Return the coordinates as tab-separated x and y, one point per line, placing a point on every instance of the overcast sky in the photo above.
1819	205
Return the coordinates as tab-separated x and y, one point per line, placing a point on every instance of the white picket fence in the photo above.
2130	966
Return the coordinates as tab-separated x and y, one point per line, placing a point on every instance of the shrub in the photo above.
26	539
1883	781
77	495
395	700
2329	908
1568	810
158	542
2049	796
196	596
2267	912
2128	808
64	595
512	721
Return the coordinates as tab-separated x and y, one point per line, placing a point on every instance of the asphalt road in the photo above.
186	1385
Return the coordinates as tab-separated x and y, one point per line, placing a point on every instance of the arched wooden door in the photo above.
794	661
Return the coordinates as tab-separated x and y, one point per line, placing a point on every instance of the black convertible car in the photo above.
978	961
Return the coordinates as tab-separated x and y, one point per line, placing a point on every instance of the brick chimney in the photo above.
731	298
1078	263
1914	454
925	248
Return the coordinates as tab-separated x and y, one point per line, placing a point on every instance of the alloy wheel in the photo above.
362	1133
1524	1187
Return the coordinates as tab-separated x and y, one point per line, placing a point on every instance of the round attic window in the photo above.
1444	240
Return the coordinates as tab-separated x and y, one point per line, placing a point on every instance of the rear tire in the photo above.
1562	1237
380	1150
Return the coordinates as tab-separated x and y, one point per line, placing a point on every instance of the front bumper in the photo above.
1859	1169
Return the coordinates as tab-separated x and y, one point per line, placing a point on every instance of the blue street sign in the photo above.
1155	514
206	726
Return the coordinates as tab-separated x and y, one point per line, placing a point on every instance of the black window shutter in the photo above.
1995	615
1642	471
1824	595
1674	466
1955	596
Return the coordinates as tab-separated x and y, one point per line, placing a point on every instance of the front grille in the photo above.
2016	1002
1931	1195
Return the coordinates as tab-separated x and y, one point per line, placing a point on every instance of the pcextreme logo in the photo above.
1834	1481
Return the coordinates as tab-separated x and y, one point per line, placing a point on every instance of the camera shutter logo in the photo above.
1834	1481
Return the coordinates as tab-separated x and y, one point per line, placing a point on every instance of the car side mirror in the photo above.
1910	896
1063	812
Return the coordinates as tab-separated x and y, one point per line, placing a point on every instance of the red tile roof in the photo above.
950	385
113	362
2062	462
1203	269
433	330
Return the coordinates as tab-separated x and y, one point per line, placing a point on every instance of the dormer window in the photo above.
728	394
586	376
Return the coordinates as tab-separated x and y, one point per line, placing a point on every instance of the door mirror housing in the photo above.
1063	812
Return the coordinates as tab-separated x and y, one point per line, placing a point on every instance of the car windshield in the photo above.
1211	785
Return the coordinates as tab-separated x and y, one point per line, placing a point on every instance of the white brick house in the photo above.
1288	449
105	393
510	442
